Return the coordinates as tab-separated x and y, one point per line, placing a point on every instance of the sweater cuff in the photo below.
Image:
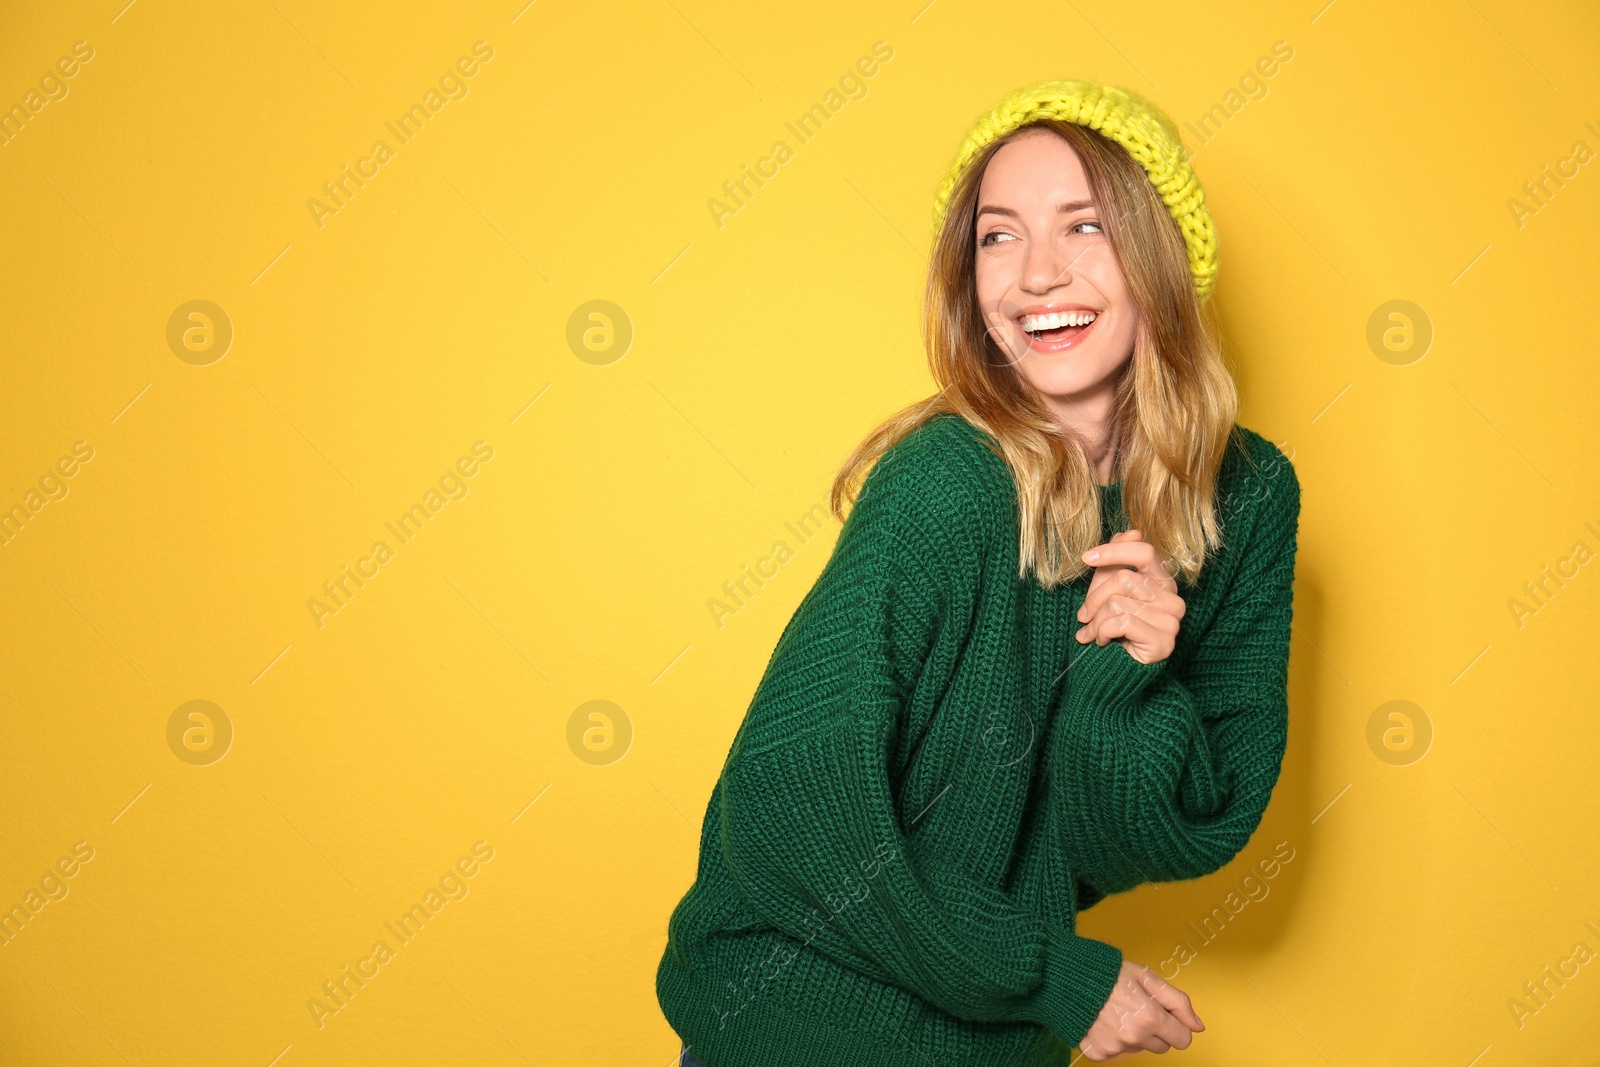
1080	974
1109	674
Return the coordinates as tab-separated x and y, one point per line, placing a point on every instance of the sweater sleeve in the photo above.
1181	766
811	827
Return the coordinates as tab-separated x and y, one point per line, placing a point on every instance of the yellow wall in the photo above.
366	752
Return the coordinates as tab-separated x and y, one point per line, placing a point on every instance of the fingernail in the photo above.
1092	555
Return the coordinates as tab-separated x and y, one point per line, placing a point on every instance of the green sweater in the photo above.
934	776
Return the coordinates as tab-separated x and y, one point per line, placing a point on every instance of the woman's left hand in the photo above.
1139	607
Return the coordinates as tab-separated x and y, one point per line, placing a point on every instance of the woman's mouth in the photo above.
1058	330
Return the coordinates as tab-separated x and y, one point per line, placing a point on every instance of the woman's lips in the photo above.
1064	338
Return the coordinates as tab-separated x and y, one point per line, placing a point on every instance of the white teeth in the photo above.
1056	320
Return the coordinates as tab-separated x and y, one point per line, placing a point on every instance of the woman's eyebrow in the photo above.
1061	209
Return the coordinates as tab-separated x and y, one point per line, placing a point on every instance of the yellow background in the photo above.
370	753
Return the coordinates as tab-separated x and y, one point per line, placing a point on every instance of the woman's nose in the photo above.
1044	268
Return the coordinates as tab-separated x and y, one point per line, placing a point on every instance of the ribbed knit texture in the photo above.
934	776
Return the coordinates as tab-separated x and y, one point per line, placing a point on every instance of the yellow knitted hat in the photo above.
1136	124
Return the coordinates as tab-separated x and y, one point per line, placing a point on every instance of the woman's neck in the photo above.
1104	463
1092	421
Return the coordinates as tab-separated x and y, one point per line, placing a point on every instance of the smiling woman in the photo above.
1024	255
985	715
1107	226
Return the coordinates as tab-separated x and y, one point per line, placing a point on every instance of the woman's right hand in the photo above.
1143	1013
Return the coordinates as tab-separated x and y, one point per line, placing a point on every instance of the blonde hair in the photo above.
1175	402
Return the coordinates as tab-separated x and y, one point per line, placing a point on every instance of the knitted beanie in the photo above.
1123	116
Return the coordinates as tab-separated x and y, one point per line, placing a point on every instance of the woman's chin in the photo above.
1066	388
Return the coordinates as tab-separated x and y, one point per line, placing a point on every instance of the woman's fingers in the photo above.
1164	1029
1152	1026
1175	1000
1134	630
1147	580
1130	549
1139	1015
1124	602
1181	1037
1124	616
1108	579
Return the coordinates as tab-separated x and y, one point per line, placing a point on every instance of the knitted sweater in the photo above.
934	776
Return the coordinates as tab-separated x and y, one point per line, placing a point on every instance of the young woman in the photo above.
1046	662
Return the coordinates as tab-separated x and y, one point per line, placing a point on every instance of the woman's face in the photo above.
1048	282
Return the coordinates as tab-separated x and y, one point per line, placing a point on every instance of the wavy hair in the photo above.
1175	400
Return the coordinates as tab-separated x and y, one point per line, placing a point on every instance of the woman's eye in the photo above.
994	237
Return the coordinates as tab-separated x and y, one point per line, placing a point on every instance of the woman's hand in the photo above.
1143	1013
1140	607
